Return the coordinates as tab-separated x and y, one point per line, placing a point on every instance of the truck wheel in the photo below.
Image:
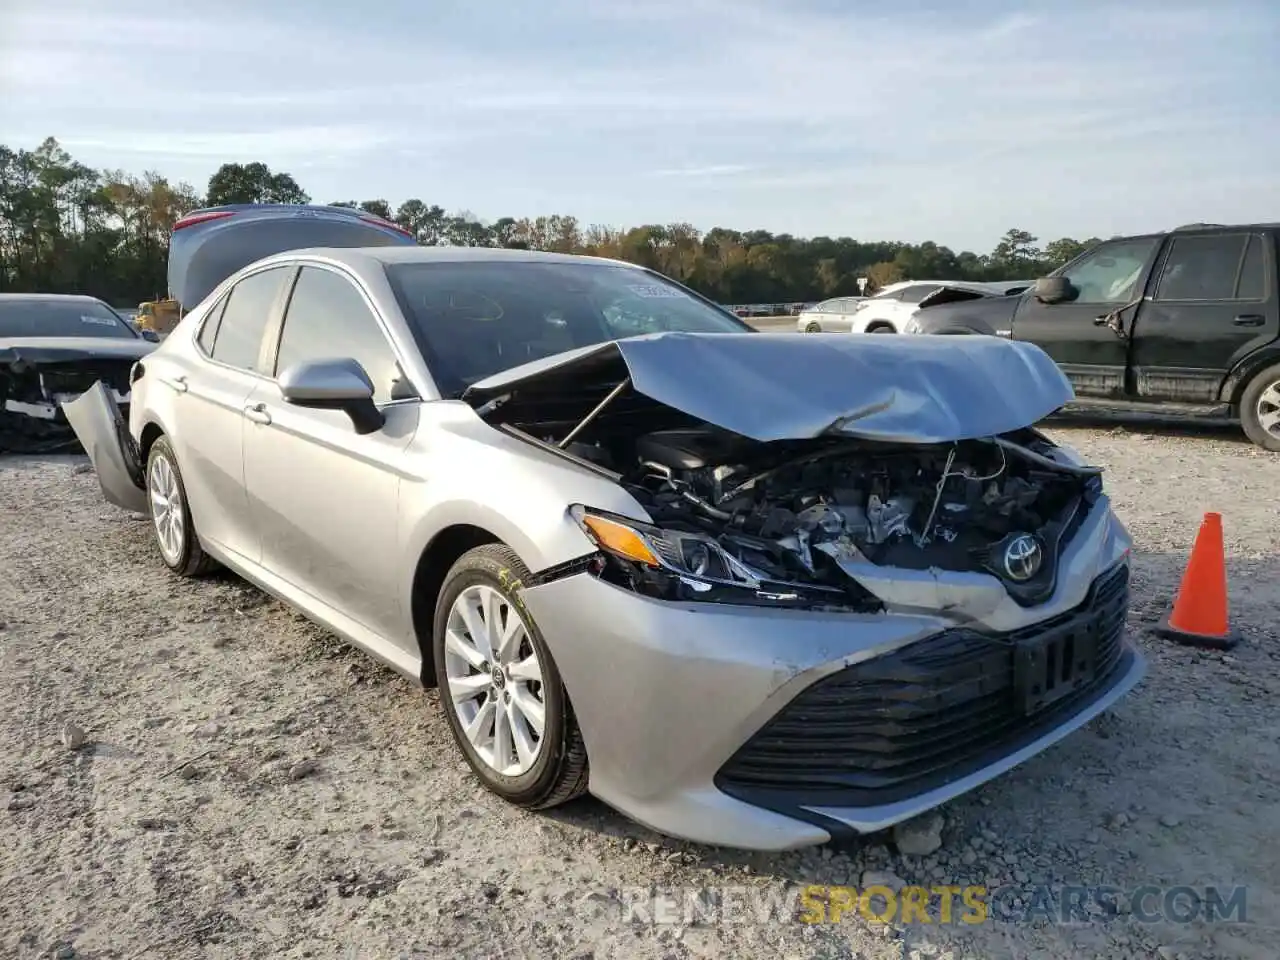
1260	409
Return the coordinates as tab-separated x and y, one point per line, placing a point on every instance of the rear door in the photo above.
209	409
1214	302
323	498
1109	281
841	313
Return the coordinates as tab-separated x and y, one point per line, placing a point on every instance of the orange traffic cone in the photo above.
1199	615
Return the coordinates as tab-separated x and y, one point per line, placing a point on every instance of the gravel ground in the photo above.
323	812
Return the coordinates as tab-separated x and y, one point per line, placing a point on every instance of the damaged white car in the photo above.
753	590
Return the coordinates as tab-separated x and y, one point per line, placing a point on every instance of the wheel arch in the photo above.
434	563
1238	380
151	432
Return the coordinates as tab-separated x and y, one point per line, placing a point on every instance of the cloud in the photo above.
715	170
918	120
298	143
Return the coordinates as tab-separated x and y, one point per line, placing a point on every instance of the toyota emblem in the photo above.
1022	557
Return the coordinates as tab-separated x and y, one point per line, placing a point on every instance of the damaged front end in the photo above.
834	523
34	385
849	511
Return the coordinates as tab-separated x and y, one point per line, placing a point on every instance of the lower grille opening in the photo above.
933	711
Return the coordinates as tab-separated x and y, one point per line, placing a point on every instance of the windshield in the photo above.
25	318
477	318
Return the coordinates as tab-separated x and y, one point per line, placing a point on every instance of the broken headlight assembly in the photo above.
689	566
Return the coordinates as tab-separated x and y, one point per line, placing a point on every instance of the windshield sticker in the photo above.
654	291
100	321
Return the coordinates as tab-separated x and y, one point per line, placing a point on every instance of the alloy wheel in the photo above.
1268	409
494	680
166	509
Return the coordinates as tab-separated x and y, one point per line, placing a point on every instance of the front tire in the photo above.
171	522
882	328
500	691
1260	409
813	327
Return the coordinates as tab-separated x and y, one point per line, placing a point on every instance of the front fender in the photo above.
480	477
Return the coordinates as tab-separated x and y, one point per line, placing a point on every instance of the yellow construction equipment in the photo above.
159	315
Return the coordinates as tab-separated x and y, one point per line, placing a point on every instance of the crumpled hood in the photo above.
70	349
796	386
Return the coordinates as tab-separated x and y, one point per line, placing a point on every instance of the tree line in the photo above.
68	228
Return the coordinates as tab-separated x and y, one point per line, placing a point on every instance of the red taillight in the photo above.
193	218
374	218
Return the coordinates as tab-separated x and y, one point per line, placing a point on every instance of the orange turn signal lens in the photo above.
619	538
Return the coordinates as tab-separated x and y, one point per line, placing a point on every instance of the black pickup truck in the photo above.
1185	323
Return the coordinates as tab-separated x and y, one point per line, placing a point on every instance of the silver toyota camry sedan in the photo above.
749	589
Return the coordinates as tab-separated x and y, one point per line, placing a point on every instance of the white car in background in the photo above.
889	310
829	316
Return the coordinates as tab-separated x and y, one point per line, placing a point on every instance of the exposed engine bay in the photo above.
790	512
812	468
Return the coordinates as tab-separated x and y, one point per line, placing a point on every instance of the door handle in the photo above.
179	383
257	412
1249	320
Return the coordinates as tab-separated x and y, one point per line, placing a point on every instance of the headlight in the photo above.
686	565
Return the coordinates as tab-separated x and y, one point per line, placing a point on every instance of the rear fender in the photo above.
1236	381
102	431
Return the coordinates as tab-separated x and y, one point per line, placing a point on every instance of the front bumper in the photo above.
740	727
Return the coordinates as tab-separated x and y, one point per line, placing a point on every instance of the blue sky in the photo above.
950	120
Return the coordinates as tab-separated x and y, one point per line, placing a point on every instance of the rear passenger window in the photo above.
1202	268
329	319
209	329
239	337
1253	272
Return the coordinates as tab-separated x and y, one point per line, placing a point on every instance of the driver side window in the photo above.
328	319
1110	273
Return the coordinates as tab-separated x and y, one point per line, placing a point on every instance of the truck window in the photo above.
1110	272
1203	268
1253	272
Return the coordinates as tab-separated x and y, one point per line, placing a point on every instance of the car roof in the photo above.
364	256
52	297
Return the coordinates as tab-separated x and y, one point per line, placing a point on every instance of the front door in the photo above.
323	498
1213	304
1107	280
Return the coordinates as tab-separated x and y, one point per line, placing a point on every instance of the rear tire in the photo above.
1260	409
882	328
171	523
488	693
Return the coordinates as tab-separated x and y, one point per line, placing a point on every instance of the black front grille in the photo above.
79	377
933	711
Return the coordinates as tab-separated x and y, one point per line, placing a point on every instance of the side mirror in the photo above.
1054	290
333	385
150	336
